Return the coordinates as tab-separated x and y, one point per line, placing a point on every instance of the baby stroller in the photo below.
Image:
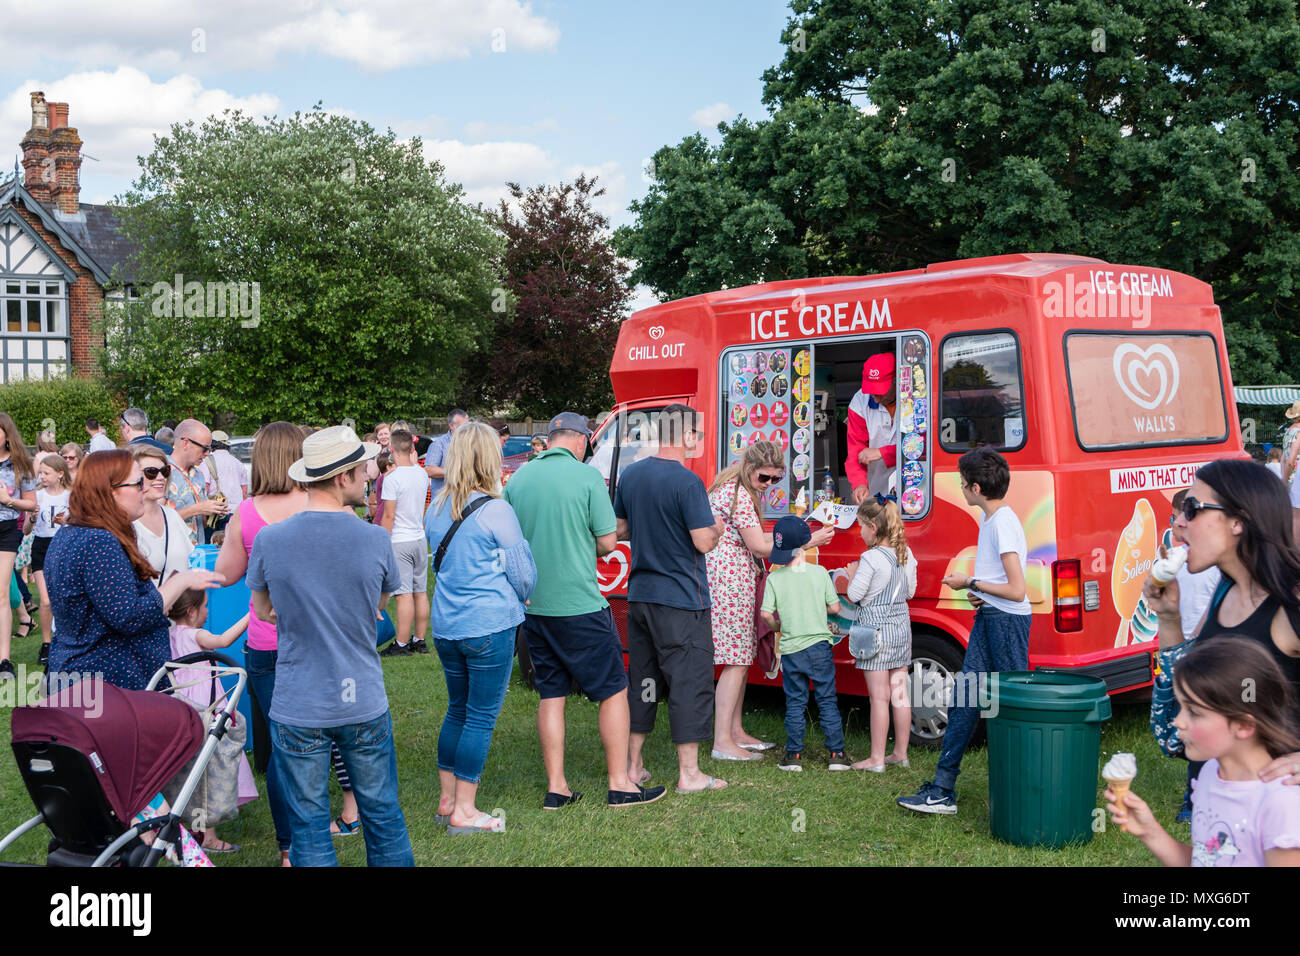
93	756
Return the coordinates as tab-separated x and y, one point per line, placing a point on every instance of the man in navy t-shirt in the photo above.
663	509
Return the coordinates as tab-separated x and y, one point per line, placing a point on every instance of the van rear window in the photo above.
1136	390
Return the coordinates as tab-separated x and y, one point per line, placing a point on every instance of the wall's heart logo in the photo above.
656	331
1139	372
611	570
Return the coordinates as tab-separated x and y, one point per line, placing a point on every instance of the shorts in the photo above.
412	565
670	654
39	547
11	538
581	649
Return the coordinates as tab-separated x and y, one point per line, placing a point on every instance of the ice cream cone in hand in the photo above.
1119	773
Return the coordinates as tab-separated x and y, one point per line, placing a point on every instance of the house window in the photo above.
34	340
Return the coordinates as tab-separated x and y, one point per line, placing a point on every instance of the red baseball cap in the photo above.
878	374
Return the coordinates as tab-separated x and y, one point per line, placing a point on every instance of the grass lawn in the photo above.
847	818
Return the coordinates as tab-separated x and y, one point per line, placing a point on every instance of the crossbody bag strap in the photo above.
455	526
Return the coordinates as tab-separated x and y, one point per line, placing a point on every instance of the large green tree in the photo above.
902	132
375	278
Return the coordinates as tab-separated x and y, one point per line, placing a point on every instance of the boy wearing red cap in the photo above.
873	430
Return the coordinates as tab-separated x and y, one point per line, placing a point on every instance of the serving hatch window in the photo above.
982	393
1132	389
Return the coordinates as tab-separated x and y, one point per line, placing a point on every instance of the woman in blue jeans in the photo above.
484	579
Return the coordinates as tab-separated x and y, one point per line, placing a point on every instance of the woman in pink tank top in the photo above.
272	498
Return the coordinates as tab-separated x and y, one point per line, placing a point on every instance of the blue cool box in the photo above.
226	606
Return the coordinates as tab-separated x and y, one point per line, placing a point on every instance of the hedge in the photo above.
62	403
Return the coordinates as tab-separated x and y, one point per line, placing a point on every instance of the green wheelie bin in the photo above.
1044	741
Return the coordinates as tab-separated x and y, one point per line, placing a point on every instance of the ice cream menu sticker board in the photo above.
759	387
914	427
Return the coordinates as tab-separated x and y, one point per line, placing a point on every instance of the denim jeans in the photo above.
811	664
261	680
302	755
998	642
477	671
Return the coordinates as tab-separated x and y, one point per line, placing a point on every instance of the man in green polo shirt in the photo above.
564	510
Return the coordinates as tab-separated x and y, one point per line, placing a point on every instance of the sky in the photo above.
497	90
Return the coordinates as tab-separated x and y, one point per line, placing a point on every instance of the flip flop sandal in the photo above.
707	786
761	747
441	819
643	779
227	848
484	824
346	828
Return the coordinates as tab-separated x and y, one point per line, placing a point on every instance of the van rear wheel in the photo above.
935	663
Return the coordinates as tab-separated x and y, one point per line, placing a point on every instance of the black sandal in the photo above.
27	624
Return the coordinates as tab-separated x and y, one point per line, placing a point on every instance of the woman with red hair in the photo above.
112	619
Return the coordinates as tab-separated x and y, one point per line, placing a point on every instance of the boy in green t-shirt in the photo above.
802	594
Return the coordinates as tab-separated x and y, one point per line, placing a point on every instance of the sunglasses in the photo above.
151	472
138	485
763	479
1192	507
206	448
71	458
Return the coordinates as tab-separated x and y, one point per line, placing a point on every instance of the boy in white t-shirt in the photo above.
405	490
999	638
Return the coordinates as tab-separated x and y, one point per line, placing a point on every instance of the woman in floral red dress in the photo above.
733	568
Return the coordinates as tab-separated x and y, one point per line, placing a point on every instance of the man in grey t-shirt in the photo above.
320	577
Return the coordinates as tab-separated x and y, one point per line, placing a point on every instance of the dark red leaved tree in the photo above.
570	292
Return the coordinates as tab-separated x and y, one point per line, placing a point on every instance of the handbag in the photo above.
864	641
216	798
764	637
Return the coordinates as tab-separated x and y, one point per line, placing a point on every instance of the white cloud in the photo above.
485	168
117	115
709	117
195	36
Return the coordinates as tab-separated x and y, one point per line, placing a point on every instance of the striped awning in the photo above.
1267	394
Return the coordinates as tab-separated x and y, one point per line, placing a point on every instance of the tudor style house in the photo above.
61	260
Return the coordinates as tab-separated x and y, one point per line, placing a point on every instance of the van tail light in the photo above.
1067	589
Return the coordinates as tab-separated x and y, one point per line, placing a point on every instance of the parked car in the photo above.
514	453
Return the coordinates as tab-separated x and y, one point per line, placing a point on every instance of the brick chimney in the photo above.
52	156
38	168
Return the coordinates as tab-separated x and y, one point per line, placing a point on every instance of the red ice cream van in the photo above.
1105	386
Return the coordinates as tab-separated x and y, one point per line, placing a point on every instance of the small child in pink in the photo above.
188	614
1236	713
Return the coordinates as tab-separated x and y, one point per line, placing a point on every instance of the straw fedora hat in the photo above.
330	451
1294	411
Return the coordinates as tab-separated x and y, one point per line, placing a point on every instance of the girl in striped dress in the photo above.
881	582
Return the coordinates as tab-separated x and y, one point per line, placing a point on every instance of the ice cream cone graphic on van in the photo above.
1133	557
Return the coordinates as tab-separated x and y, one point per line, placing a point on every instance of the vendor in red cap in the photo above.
873	430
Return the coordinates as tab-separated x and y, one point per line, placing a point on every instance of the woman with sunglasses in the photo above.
72	455
1236	517
733	568
162	535
112	618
